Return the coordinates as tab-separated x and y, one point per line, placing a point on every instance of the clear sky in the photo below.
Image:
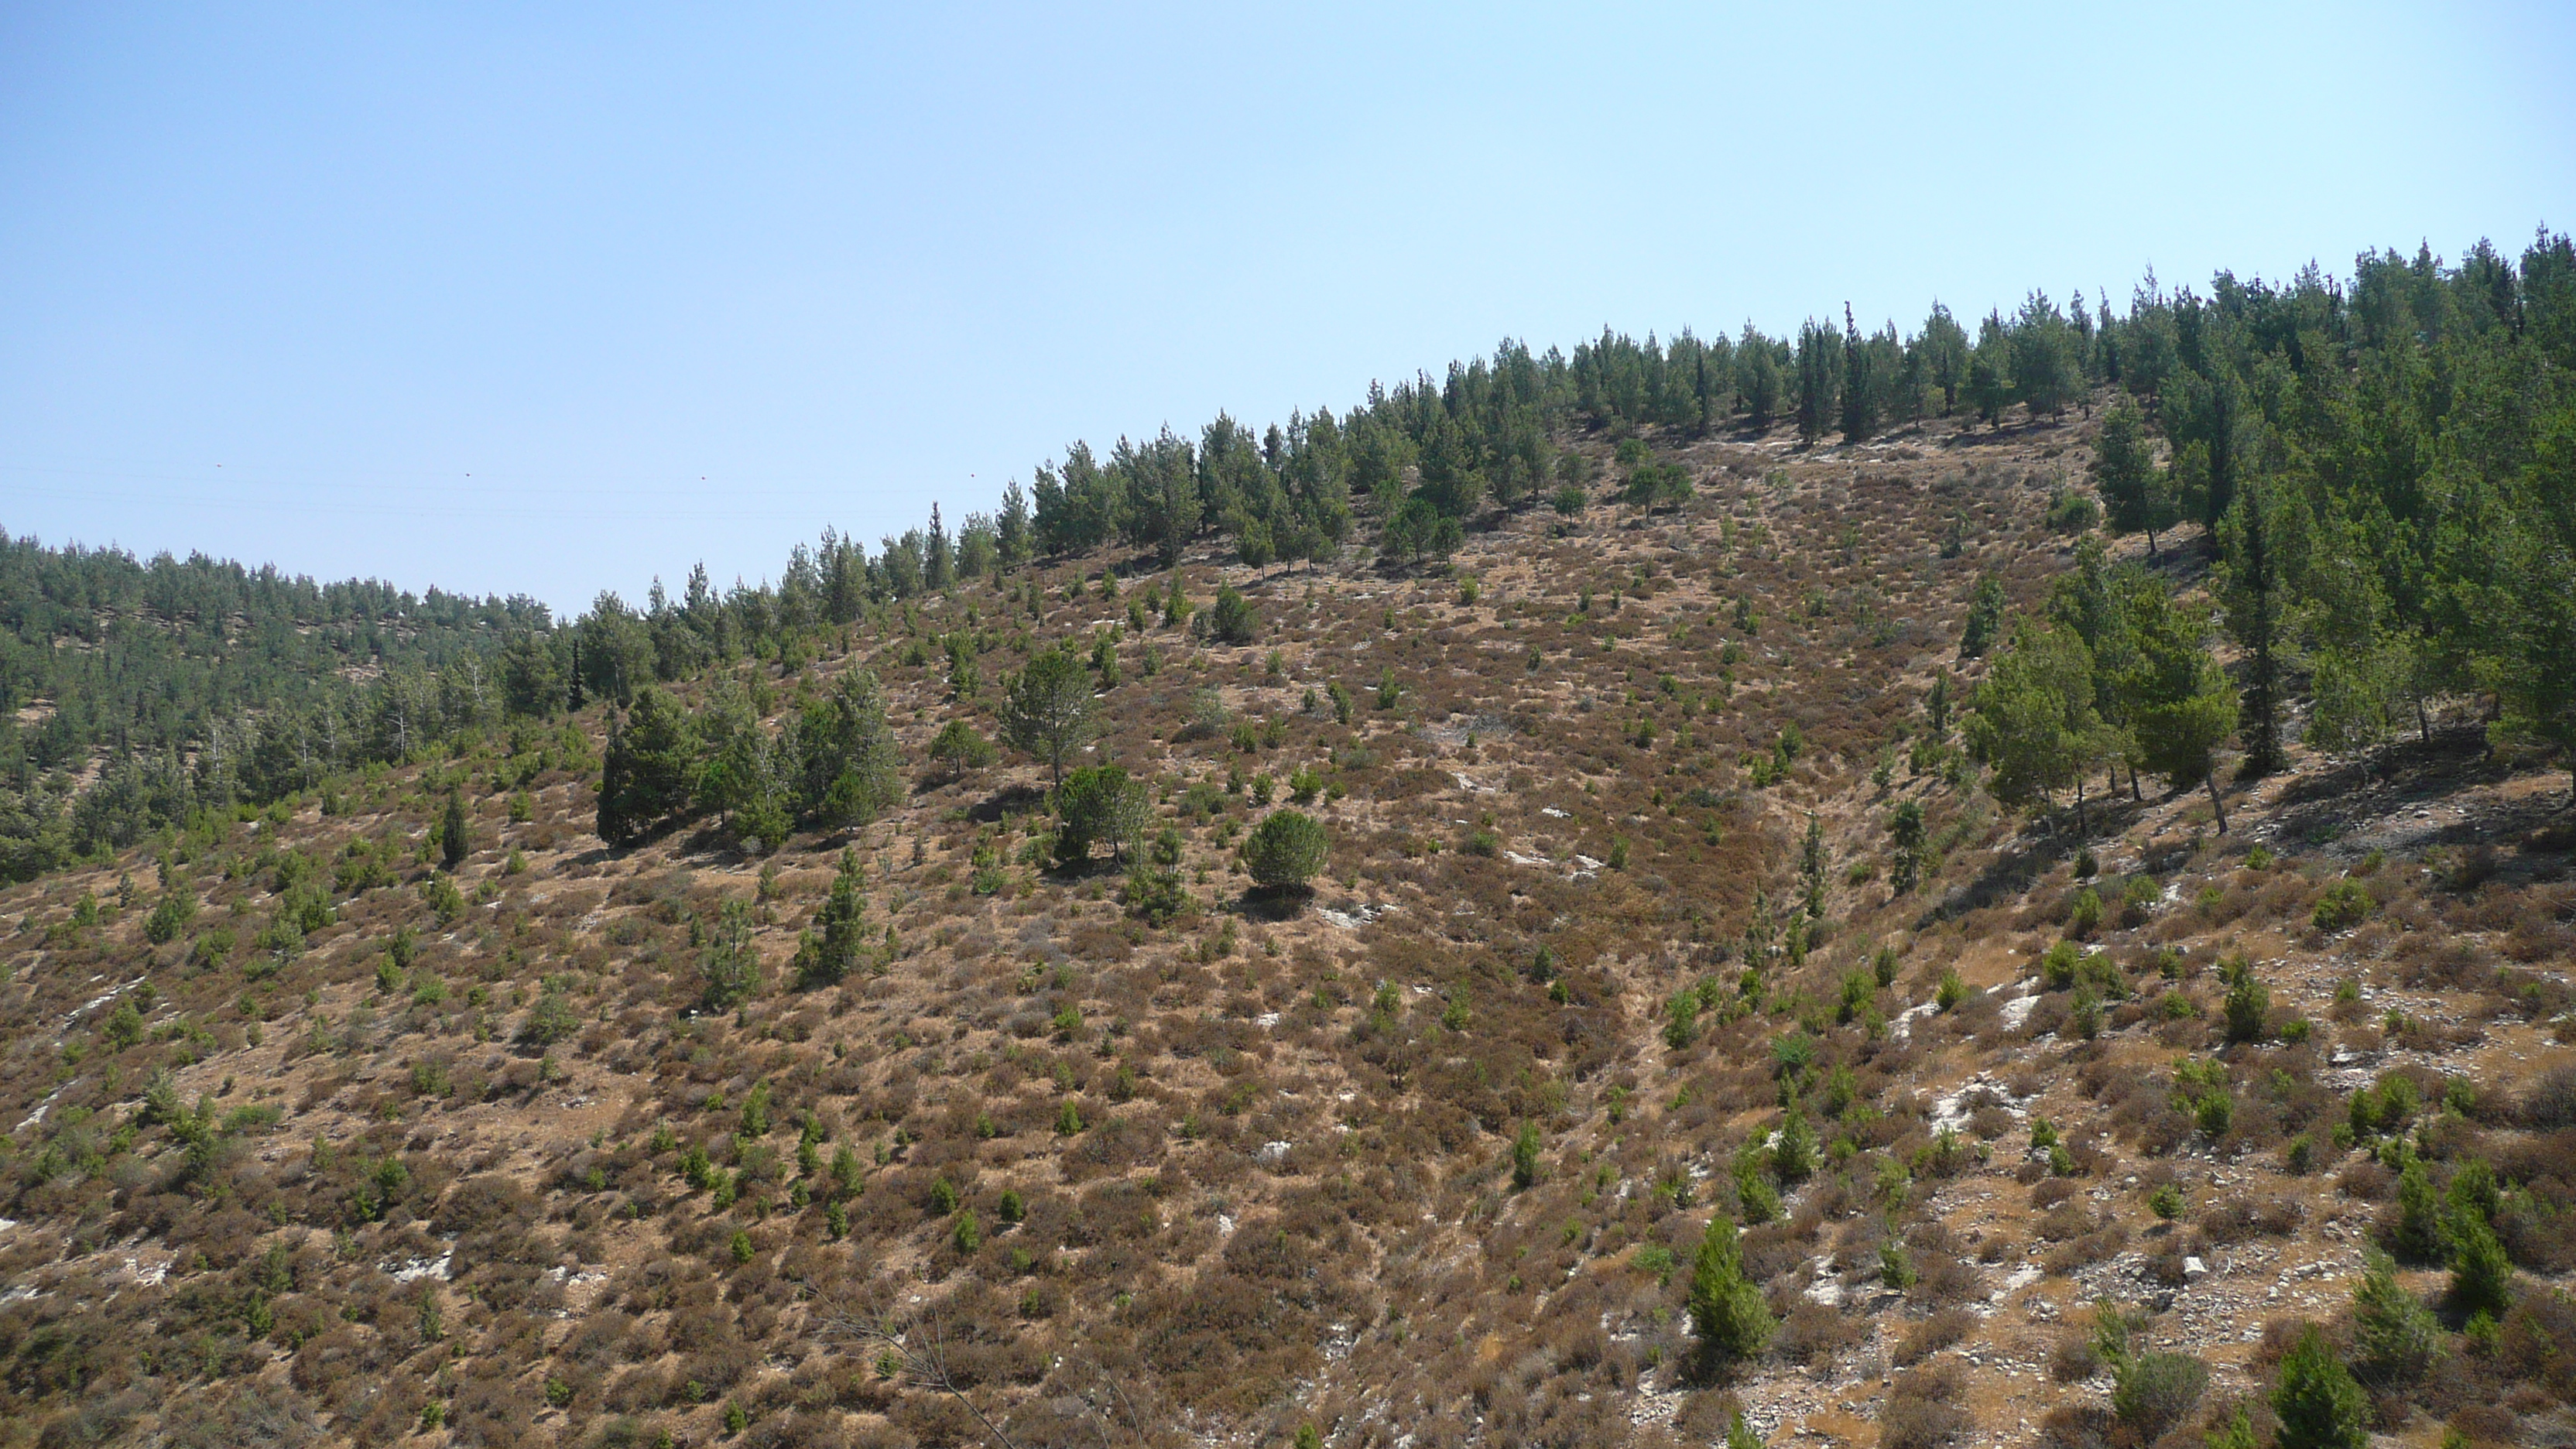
552	299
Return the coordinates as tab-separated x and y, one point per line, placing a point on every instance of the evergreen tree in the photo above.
1862	386
2177	699
1989	380
2394	1336
1818	380
1727	1313
1099	803
1943	346
1011	534
1047	710
849	768
2046	371
2034	721
454	833
1285	850
2252	589
729	964
1757	362
1813	862
1985	616
1905	832
2134	491
652	756
1231	619
826	954
2481	1274
2318	1404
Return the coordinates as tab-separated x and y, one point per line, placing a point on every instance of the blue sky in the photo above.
478	295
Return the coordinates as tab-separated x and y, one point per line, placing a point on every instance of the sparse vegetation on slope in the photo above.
1639	981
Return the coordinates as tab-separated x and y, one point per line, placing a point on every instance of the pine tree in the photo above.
2394	1336
2135	493
2318	1404
1943	344
2420	1234
652	756
1813	861
1757	361
1727	1313
2251	587
849	770
1861	385
2178	701
1985	620
1818	380
1905	832
1011	526
615	784
2034	722
826	954
2481	1274
1989	380
729	965
1048	710
454	834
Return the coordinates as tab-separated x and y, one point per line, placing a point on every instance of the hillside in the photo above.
1604	946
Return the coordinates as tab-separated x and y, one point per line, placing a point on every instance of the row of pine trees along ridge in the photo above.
2383	466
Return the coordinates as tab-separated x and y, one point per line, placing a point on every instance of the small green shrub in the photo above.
2344	905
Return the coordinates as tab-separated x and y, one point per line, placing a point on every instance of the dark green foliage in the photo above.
1048	712
2394	1336
1727	1313
646	773
2481	1274
1100	804
2255	595
2034	721
2134	490
960	747
1818	380
1905	833
828	953
729	964
2344	905
552	1019
1985	617
1155	895
1525	1145
1657	485
2179	706
848	769
2421	1233
2248	1001
1231	619
2154	1391
455	837
2316	1400
1285	850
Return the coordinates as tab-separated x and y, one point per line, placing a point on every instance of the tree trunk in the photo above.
2211	780
2081	832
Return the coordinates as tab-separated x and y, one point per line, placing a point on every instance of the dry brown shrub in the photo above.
1923	1409
1940	1331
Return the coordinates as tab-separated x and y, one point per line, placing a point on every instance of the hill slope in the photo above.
1605	945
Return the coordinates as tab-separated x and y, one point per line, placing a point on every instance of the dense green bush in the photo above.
1285	850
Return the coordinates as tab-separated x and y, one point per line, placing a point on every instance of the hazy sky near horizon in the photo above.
556	299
